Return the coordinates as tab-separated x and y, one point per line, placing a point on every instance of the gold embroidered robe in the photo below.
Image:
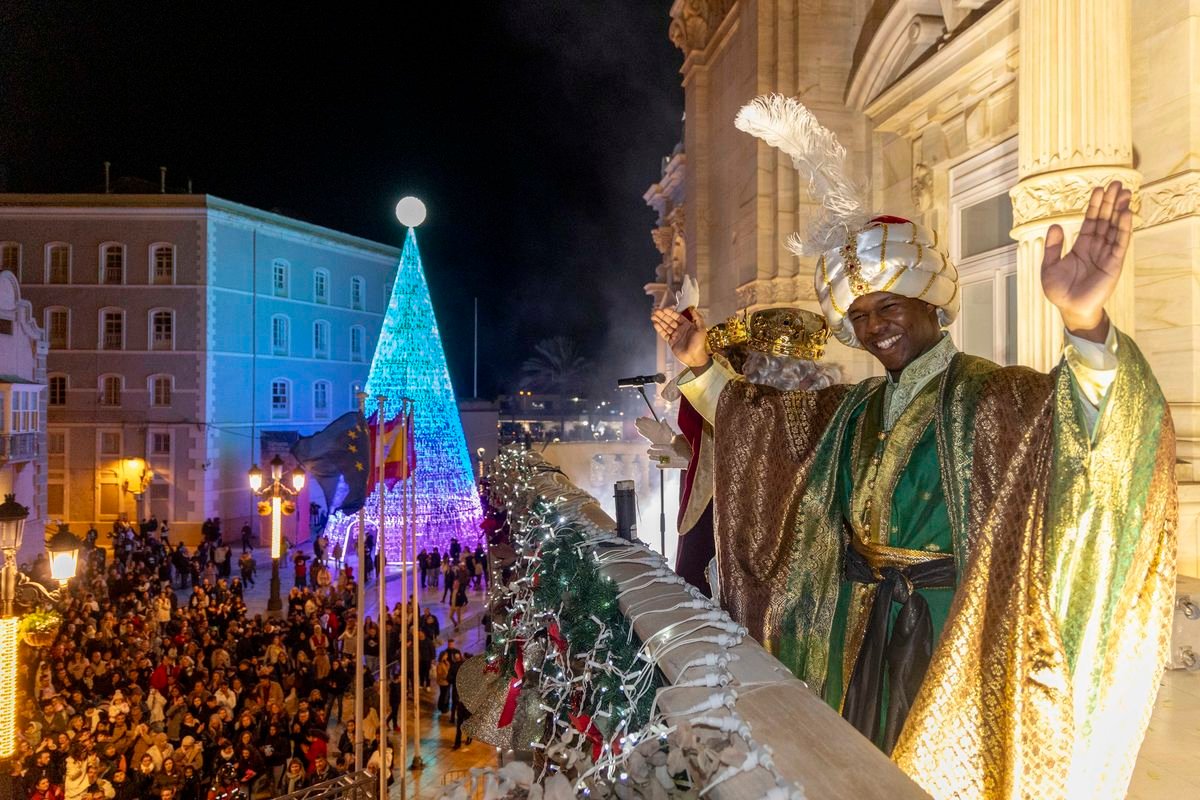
1043	681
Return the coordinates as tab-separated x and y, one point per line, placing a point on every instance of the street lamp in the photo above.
64	551
275	493
64	554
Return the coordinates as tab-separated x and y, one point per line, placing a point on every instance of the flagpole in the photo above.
380	452
402	437
359	616
410	485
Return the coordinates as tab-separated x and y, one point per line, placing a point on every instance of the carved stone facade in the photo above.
972	117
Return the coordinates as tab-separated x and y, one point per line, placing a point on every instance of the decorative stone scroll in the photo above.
693	22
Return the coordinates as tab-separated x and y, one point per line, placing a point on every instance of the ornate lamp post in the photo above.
64	554
279	501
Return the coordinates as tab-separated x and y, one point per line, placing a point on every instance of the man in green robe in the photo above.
973	563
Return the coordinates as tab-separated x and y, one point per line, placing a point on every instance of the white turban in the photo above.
888	255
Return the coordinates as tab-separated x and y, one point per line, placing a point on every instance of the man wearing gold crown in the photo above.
979	560
778	347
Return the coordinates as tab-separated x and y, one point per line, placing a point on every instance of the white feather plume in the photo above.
817	155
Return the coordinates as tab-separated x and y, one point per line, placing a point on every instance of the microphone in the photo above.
640	380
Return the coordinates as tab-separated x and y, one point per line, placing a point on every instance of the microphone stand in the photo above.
662	490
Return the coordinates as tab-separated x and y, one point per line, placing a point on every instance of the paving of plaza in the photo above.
437	735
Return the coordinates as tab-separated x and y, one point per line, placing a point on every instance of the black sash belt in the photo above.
906	653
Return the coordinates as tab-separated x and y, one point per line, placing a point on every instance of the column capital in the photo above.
1041	199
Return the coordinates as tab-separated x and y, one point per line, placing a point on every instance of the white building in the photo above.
22	407
188	335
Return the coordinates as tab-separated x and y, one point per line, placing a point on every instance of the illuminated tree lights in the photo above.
409	362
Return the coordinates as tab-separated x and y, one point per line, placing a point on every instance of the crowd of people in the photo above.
162	684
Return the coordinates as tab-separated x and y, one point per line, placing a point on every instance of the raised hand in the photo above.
1080	282
685	337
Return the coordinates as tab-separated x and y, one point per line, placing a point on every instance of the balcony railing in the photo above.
354	786
18	446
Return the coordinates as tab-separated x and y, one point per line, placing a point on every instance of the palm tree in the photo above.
559	369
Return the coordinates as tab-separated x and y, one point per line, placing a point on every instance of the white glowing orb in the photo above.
410	211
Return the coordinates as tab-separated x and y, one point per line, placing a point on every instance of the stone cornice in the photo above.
942	85
1171	198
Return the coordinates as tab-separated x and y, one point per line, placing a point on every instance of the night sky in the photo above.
530	128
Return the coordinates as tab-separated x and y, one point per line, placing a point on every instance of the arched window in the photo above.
358	293
112	329
279	335
321	393
320	286
320	339
58	327
111	387
58	262
281	398
358	335
161	388
57	390
162	263
162	329
112	263
280	277
10	257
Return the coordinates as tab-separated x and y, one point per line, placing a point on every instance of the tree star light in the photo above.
410	211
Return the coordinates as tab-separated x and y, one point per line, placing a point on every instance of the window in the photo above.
110	390
357	292
162	264
6	327
160	390
986	256
320	339
112	263
321	400
10	257
57	395
24	414
355	390
58	263
55	499
56	463
112	329
110	443
279	335
160	444
58	327
110	499
357	334
321	286
281	399
279	277
162	330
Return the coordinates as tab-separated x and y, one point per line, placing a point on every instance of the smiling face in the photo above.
893	328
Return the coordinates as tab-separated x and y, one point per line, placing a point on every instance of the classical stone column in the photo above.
1075	132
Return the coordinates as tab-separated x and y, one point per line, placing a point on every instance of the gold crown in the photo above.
791	332
730	333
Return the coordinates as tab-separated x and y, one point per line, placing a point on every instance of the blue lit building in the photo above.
189	336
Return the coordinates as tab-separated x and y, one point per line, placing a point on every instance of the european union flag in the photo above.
342	450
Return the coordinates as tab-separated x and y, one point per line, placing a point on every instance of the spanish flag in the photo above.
399	447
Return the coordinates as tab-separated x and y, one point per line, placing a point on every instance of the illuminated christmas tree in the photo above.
409	362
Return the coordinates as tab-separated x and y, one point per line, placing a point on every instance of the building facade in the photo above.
985	120
22	406
187	336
